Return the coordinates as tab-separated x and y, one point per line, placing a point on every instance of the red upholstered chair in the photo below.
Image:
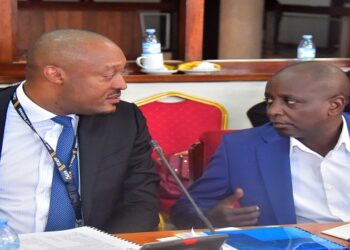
179	123
177	120
201	151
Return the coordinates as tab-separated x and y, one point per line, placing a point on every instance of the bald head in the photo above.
327	79
61	47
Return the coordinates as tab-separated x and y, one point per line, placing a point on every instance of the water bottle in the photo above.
306	48
8	237
150	44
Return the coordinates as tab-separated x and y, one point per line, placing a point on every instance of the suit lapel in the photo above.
347	119
91	136
274	164
5	97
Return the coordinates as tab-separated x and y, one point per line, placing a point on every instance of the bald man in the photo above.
258	116
295	169
75	75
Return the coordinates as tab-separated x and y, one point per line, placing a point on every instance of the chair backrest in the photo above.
200	152
176	125
176	121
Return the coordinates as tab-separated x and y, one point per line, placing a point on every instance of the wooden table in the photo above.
146	237
231	70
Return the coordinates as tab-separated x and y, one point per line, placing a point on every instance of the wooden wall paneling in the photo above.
117	29
132	6
31	24
8	30
50	19
120	26
62	17
100	21
131	37
88	21
68	19
191	29
114	27
123	27
24	29
118	21
77	19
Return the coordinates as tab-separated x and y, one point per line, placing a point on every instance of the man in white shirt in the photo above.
75	75
295	169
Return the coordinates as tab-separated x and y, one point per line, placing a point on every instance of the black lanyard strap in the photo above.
65	171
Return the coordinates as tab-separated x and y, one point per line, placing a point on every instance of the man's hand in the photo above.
229	213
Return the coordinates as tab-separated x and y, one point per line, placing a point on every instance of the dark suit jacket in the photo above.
256	160
117	174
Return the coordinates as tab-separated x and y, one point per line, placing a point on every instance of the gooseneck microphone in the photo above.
154	144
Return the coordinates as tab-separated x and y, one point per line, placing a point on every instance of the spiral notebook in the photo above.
81	238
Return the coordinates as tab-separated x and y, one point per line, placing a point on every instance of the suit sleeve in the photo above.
139	209
207	191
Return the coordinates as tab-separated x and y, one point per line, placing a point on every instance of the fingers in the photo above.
233	200
246	216
238	193
223	216
228	212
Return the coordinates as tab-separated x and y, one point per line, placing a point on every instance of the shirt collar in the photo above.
343	140
294	143
344	137
34	112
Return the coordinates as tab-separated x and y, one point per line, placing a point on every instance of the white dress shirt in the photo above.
321	186
26	168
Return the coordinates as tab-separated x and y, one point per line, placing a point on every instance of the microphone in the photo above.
154	144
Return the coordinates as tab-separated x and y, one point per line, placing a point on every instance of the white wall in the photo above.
236	97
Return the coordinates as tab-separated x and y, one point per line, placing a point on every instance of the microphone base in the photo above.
208	242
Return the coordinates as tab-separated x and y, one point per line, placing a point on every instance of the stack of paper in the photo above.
342	232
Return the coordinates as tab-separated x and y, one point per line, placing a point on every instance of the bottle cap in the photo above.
150	30
307	36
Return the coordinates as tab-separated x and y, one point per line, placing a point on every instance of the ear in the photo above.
337	105
53	74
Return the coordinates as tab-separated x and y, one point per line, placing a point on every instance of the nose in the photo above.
274	108
119	82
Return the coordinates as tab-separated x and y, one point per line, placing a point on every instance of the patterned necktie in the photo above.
61	213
